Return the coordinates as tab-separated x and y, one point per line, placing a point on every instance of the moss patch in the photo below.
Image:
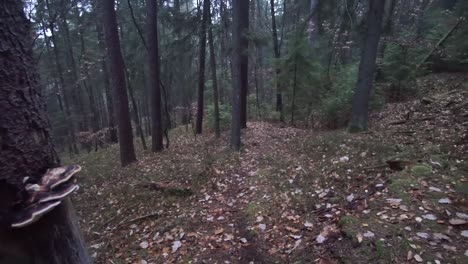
421	170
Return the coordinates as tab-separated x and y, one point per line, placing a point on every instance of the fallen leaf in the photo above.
219	231
456	221
429	217
409	256
176	245
418	258
359	237
144	244
464	233
445	201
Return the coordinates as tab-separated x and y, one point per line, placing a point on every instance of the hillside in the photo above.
395	194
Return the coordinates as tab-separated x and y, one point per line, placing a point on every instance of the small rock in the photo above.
369	234
418	219
308	224
259	218
435	189
350	198
243	240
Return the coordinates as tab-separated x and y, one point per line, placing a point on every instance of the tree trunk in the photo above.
214	79
136	116
279	97
26	150
367	66
119	92
155	75
105	77
240	12
244	61
293	103
201	73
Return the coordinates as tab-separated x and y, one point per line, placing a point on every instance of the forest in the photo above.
233	131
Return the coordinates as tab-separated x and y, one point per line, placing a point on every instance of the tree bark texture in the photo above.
26	150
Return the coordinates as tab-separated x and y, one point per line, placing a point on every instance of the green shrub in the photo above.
224	116
335	106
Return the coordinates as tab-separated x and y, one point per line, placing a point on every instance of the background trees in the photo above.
304	61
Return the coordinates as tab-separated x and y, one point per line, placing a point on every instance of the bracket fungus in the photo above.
46	194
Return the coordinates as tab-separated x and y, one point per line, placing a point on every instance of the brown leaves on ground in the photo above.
291	195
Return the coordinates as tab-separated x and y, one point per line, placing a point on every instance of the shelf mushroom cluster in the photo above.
43	196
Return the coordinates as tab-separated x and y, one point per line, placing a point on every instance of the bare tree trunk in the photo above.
367	66
26	150
155	76
136	116
106	80
244	62
240	27
201	73
293	103
214	79
119	92
279	96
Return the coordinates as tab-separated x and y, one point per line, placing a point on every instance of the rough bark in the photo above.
119	92
367	67
26	150
201	73
155	75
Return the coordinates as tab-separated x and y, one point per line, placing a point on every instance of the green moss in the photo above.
251	210
421	170
441	159
383	253
349	225
399	188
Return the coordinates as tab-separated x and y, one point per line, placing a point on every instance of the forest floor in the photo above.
396	194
